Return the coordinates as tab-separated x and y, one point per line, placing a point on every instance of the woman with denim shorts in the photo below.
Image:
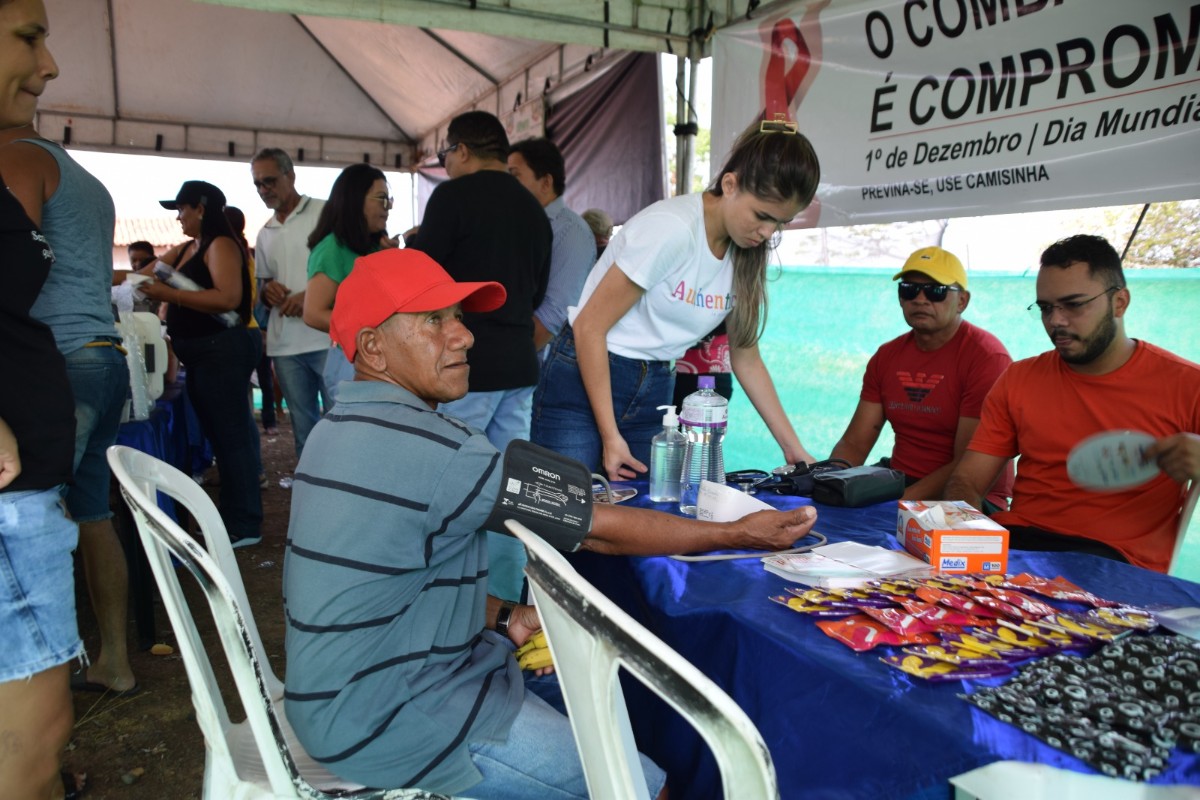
671	275
37	442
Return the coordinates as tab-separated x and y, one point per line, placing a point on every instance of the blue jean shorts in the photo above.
100	382
37	584
539	758
562	413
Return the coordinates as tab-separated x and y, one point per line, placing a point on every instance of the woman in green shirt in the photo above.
352	224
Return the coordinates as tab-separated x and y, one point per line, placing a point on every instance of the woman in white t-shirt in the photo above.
681	267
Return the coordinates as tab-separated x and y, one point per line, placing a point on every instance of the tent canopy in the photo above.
335	81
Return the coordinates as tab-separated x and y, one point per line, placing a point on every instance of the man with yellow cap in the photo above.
400	667
928	383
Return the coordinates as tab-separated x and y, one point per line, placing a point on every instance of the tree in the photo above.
1169	236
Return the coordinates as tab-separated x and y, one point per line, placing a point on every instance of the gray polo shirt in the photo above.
390	671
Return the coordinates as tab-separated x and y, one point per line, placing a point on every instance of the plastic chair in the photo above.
260	757
589	638
1185	517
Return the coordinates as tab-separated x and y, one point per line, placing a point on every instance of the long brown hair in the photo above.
774	165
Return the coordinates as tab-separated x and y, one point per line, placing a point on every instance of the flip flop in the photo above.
80	683
71	787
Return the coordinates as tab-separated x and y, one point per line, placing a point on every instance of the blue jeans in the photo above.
99	379
300	379
218	379
337	369
539	758
503	416
37	583
562	415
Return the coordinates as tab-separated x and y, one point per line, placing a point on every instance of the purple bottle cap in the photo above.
706	382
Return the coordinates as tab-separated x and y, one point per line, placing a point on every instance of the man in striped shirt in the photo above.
400	670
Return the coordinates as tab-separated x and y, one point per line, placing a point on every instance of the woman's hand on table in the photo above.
619	463
796	455
776	530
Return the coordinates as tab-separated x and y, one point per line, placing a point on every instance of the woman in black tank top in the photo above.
218	359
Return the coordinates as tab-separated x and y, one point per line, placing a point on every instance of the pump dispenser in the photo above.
666	459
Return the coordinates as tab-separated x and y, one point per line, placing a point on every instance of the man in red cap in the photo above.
400	670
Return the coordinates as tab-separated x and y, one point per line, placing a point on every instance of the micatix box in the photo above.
952	535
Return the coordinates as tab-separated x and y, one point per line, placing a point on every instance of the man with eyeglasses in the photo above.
1096	379
929	383
539	166
483	225
281	261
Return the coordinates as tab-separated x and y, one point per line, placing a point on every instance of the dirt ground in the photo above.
148	746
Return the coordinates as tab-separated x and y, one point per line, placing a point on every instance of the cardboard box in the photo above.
952	536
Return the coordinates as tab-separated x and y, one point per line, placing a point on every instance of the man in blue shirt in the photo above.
400	671
539	166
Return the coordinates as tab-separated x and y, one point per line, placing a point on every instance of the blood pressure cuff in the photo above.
858	486
546	492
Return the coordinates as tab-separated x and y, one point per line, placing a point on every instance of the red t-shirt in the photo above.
923	394
1041	409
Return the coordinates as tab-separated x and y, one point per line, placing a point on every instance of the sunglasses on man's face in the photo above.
934	292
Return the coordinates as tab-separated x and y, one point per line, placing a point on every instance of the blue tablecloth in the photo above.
838	724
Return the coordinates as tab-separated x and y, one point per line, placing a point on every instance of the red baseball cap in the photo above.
396	281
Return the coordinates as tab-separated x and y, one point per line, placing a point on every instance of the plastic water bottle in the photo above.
666	459
703	417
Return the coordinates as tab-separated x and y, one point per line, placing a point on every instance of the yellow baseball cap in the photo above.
941	265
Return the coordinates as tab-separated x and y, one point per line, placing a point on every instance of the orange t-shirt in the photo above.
1040	409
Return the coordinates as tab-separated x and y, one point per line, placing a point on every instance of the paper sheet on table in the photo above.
720	503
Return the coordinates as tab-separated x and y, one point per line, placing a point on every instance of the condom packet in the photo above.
899	622
1027	642
1029	606
1007	609
893	589
812	609
933	670
1058	589
1061	639
1124	617
861	633
823	597
1082	626
933	614
952	655
972	641
957	602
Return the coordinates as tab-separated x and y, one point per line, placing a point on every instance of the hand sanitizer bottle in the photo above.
666	459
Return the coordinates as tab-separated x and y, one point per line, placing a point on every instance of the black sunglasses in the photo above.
934	292
445	151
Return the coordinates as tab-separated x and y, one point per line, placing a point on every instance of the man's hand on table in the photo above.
775	530
1177	455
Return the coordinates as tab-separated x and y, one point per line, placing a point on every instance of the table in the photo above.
838	724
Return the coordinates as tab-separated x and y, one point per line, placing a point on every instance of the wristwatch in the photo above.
503	616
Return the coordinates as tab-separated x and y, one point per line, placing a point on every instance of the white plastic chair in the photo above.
260	757
589	638
1185	517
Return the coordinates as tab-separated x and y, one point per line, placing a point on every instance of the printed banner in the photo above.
922	109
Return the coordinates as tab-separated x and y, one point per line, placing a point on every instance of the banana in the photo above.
533	642
537	658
